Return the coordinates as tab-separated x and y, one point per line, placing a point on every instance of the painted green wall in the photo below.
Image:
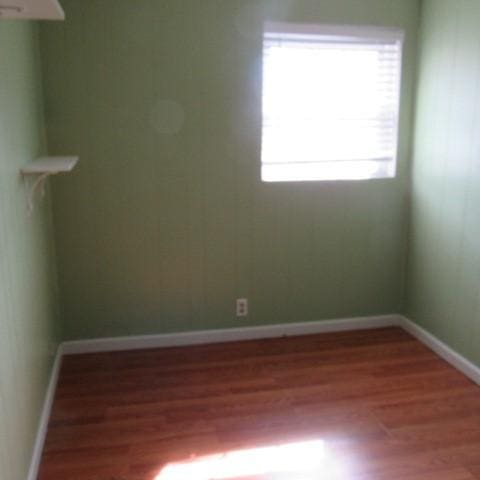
444	261
166	222
27	277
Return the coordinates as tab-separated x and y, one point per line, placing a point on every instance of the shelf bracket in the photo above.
39	183
42	169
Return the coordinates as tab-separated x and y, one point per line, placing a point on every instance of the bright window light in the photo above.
302	460
330	102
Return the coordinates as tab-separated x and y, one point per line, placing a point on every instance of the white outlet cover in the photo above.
31	9
242	307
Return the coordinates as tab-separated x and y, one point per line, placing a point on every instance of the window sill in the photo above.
328	171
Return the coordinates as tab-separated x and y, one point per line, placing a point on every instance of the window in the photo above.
330	102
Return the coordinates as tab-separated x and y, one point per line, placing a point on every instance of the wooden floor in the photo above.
384	405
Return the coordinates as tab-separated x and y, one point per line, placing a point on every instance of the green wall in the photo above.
27	278
444	261
166	222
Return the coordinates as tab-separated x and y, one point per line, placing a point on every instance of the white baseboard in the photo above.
227	334
442	349
273	331
45	417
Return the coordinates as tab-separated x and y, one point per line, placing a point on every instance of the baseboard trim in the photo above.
45	416
442	349
227	335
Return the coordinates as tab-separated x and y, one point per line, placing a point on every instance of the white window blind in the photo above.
330	102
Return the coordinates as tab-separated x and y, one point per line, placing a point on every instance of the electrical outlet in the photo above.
242	307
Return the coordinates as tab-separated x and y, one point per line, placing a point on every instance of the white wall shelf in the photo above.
50	165
43	168
32	9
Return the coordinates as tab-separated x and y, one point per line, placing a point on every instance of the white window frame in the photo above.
358	169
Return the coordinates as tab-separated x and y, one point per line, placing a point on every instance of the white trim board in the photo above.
227	335
442	349
45	417
274	331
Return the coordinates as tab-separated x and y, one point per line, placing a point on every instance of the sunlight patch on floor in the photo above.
296	461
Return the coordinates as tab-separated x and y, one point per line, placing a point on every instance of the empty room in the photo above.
239	239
